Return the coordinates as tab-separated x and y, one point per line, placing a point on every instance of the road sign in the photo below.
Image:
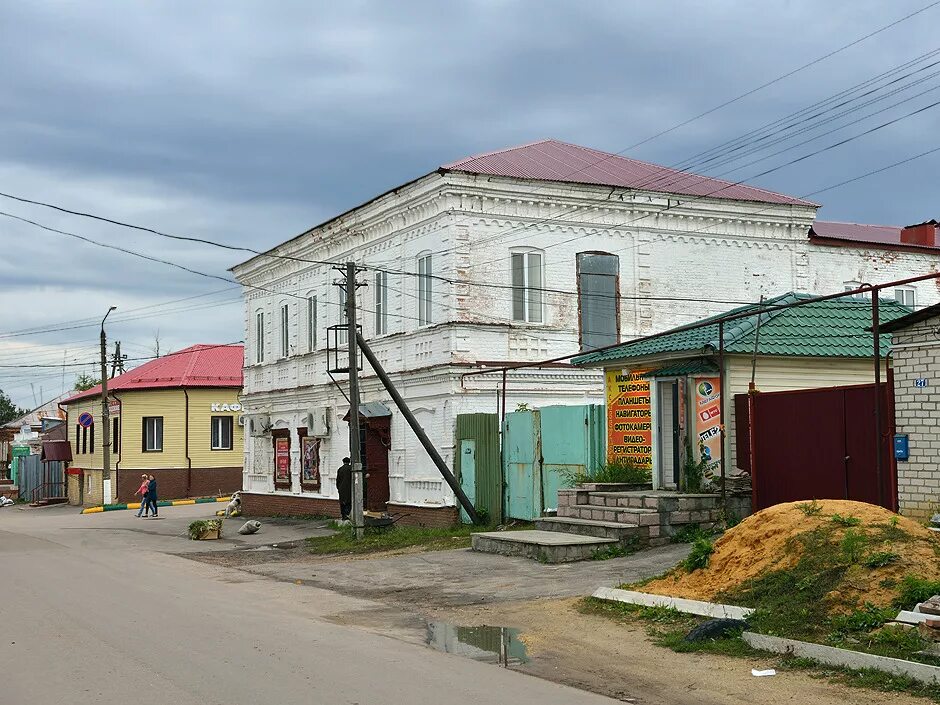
86	420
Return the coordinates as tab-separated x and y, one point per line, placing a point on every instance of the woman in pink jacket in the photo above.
144	497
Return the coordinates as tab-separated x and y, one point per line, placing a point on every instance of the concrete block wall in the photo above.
916	355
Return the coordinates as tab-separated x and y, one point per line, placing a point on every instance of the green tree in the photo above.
9	410
84	382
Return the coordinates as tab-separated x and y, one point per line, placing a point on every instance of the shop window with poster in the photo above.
310	463
281	459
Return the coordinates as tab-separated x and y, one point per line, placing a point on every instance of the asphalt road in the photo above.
93	609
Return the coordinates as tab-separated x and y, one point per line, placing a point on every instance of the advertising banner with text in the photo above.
629	417
708	417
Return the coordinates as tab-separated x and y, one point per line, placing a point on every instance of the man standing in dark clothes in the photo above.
152	494
344	487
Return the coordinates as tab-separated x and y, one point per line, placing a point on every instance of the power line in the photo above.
799	117
780	78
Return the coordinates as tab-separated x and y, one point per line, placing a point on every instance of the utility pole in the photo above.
354	437
105	418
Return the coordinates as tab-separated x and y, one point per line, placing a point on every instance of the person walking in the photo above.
344	487
152	494
144	497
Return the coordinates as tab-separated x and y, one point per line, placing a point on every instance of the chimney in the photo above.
923	234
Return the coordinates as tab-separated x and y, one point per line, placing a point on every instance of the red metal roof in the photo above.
195	366
551	160
861	233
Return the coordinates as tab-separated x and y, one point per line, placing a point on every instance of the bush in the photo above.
914	590
694	469
853	546
698	558
619	470
202	526
810	509
846	521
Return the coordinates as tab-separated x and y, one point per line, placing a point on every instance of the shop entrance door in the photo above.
376	440
667	398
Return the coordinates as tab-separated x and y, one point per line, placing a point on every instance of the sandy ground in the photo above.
597	654
589	652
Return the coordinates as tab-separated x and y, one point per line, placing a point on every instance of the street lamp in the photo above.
105	419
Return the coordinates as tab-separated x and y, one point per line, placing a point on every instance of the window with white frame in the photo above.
852	286
259	337
424	290
381	303
285	330
906	296
526	276
222	432
152	427
311	323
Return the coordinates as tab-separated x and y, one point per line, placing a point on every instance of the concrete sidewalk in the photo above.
464	577
167	534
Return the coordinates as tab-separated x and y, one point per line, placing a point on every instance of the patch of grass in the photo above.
621	470
690	533
846	521
698	557
616	550
862	620
810	509
863	678
792	602
914	590
374	540
880	559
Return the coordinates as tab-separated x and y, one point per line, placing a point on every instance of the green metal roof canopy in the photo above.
831	328
685	367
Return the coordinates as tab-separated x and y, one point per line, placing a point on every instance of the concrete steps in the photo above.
597	529
620	515
544	546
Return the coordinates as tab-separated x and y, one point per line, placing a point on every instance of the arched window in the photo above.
598	299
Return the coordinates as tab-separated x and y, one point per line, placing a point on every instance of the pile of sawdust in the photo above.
767	542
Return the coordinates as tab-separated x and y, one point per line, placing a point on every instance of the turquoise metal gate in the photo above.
542	448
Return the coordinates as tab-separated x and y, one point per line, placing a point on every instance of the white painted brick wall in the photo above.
711	253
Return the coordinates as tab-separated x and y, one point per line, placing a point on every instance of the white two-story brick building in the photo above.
513	256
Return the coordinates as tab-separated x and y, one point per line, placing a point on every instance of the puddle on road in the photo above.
498	645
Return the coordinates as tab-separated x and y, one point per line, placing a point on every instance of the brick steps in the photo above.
544	546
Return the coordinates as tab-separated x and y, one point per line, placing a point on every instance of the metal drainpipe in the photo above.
189	462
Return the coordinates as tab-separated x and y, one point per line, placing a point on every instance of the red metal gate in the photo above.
817	444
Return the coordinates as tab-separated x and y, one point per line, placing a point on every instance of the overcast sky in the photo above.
249	122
